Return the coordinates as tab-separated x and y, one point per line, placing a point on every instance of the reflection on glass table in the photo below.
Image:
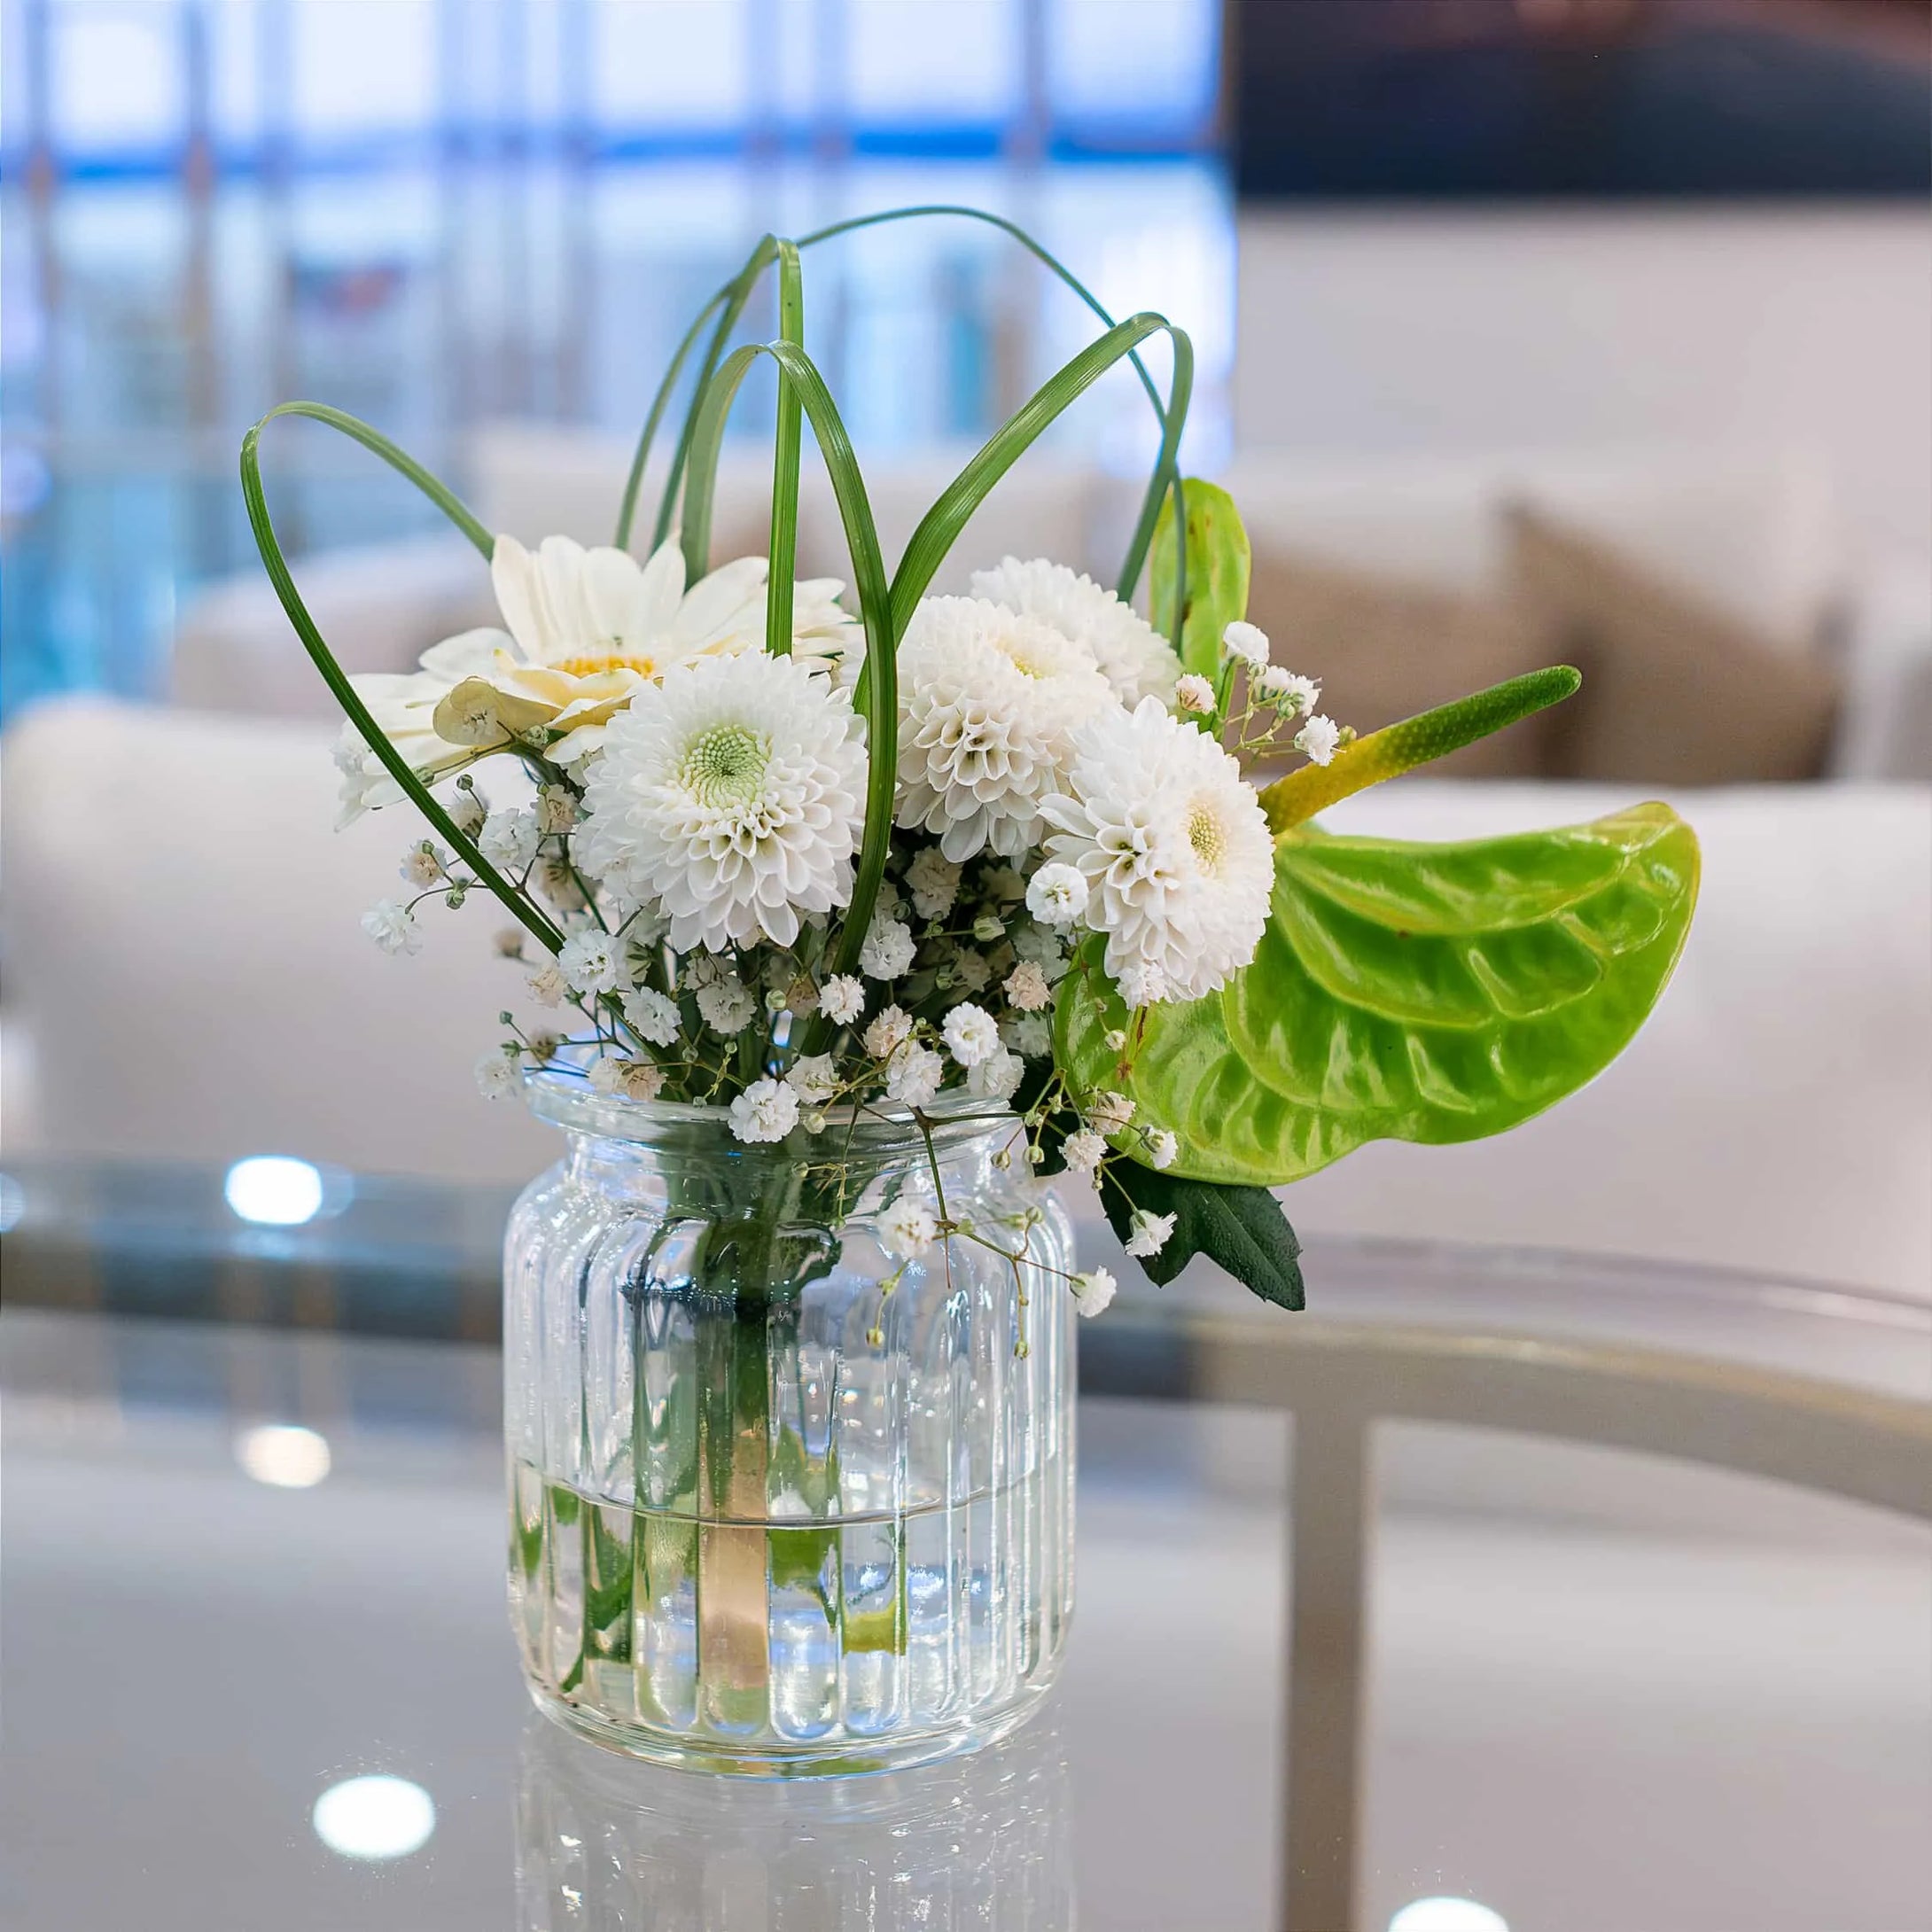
257	1669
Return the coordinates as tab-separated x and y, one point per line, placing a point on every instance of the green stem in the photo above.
521	908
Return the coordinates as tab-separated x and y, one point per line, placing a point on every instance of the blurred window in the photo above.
124	83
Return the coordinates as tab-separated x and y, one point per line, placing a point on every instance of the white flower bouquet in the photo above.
803	854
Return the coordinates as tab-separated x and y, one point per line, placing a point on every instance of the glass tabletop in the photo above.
257	1669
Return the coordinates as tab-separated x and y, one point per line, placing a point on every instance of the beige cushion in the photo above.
1675	691
1384	650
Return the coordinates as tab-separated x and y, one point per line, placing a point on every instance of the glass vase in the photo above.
785	1501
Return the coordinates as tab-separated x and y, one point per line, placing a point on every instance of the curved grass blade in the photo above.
939	528
373	439
784	549
734	294
877	693
641	457
1401	747
262	524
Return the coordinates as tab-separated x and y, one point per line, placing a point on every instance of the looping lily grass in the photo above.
262	524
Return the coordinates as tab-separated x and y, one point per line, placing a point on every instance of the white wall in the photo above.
1782	330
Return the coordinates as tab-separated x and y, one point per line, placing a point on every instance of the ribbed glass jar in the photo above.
781	1501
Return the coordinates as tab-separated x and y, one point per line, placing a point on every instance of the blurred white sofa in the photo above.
1752	534
185	969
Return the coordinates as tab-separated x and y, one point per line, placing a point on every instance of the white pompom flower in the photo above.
1148	1232
913	1076
907	1228
592	961
1133	657
1174	848
734	797
496	1075
1319	739
972	1035
1083	1150
1247	643
888	1032
1093	1291
393	926
988	701
997	1077
888	949
768	1109
1056	895
841	999
653	1017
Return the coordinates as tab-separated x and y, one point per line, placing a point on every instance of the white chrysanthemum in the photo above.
1148	1232
972	1035
734	799
841	999
768	1109
988	702
1133	657
1093	1291
496	1075
1174	848
393	926
907	1228
651	1017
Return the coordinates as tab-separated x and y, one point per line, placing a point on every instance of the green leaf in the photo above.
1241	1229
1404	992
1414	741
1217	567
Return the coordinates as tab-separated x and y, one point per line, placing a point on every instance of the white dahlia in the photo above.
1174	848
735	800
1134	657
989	700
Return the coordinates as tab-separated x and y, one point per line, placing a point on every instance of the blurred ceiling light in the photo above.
374	1818
274	1190
1447	1915
282	1454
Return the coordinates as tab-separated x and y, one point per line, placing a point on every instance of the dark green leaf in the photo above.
1241	1229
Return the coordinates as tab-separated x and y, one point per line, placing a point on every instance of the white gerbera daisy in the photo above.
735	800
1132	656
585	631
1174	848
988	702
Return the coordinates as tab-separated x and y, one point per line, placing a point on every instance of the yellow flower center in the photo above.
590	668
1205	835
